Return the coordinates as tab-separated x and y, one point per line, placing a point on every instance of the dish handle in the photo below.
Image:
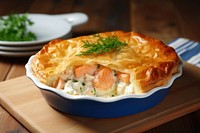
74	19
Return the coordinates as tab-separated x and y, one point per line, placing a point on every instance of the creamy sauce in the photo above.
84	85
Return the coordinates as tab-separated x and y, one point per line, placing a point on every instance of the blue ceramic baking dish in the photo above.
99	107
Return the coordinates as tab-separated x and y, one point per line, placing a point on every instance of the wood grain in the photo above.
189	19
149	18
4	71
13	126
25	102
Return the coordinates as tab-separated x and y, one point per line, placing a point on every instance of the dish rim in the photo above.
42	86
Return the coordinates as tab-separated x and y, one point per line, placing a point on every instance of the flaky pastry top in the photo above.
149	61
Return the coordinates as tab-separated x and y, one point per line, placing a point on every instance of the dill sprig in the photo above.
102	45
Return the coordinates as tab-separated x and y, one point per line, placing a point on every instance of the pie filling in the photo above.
96	80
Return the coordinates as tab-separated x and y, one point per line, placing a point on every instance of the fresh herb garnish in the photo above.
93	91
102	45
83	83
115	73
98	65
81	89
74	80
14	28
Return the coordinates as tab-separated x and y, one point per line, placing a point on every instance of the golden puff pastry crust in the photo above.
149	61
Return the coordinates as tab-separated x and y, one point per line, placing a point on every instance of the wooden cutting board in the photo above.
24	101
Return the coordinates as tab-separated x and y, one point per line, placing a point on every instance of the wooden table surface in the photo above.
164	20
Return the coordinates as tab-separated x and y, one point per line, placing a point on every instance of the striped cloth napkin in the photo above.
188	50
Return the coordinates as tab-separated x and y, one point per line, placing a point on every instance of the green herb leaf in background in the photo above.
14	28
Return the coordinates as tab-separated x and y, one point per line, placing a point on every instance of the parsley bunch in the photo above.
14	28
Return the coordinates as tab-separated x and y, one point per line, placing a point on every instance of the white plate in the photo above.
49	27
17	54
20	48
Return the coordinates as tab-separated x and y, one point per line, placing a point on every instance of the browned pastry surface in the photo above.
149	61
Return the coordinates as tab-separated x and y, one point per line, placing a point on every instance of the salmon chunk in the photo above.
123	77
104	79
80	71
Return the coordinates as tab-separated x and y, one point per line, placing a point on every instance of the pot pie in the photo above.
105	64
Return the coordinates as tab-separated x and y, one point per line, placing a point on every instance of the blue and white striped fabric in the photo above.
188	50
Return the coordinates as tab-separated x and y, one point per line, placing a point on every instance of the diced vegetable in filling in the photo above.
94	80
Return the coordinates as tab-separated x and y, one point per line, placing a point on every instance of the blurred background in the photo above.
162	19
